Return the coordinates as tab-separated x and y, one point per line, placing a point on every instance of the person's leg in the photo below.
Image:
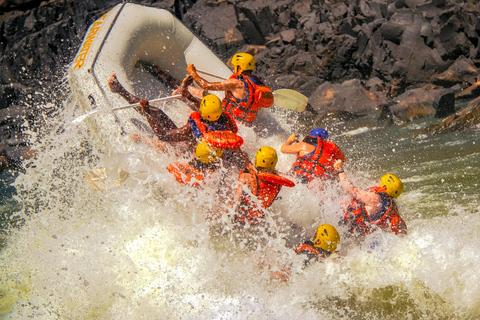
158	120
165	77
116	87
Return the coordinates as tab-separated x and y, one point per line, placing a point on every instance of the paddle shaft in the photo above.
150	101
292	99
83	117
211	75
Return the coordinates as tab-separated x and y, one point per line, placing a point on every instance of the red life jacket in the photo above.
258	96
320	163
228	123
225	123
266	189
309	249
361	223
192	173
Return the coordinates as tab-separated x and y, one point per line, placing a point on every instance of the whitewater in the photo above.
148	247
145	249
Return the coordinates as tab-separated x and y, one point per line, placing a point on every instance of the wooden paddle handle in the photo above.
211	74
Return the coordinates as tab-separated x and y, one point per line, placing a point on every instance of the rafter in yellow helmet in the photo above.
327	238
266	157
211	107
206	153
392	185
244	60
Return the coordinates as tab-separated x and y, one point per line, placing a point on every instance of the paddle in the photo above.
285	98
105	178
290	99
88	114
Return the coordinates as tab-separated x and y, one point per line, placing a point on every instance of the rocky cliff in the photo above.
393	59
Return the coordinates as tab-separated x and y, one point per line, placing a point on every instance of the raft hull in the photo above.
123	41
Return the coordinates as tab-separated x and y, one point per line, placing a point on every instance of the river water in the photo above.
144	250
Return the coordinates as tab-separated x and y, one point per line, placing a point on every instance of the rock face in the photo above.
380	52
466	118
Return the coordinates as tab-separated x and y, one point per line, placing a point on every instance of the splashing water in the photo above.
145	250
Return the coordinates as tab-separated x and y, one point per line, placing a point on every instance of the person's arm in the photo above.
287	146
300	148
164	132
226	85
369	198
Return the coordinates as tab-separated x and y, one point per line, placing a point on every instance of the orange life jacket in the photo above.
359	221
258	96
192	173
320	163
266	189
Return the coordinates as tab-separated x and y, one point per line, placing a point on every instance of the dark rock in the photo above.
454	43
466	118
469	93
350	96
288	36
461	71
418	103
219	25
393	29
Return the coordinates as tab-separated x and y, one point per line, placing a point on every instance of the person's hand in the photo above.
292	138
338	165
144	105
191	69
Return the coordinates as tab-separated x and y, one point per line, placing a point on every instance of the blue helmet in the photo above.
319	133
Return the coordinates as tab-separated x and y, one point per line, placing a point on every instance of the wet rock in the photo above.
336	116
462	71
469	93
418	103
466	118
219	24
390	45
350	96
393	29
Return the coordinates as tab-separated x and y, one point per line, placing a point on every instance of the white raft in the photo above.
119	42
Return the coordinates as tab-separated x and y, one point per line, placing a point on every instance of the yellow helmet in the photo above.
392	184
244	60
327	238
266	157
211	107
206	153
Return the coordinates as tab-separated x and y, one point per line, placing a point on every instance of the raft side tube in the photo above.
116	43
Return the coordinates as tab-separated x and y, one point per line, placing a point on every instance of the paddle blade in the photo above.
290	99
104	178
83	117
